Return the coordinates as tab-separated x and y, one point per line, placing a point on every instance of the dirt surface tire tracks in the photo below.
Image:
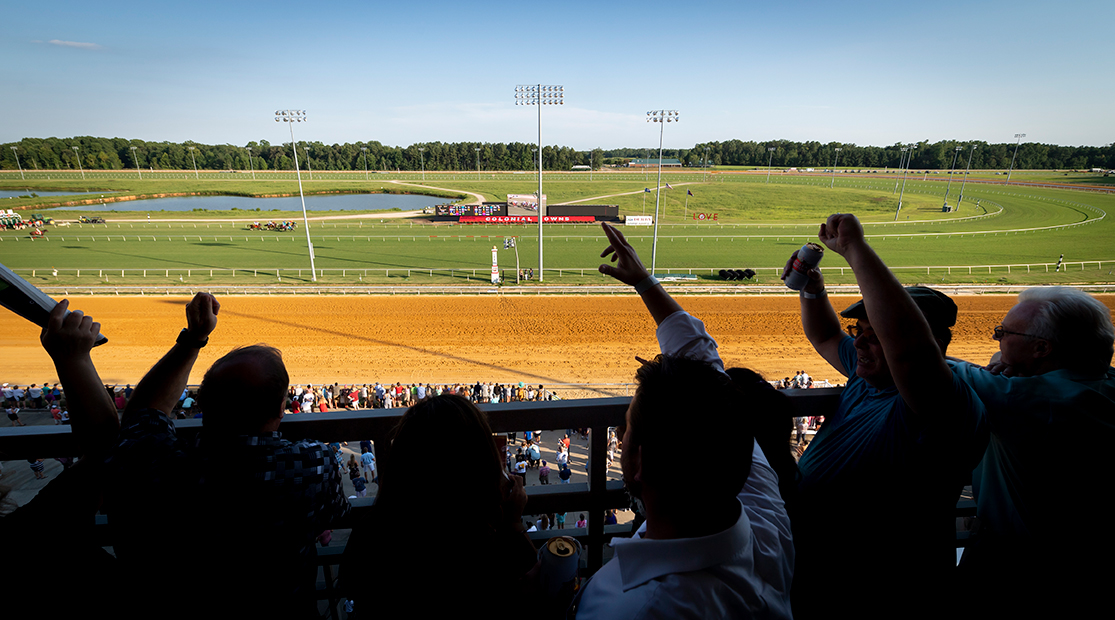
545	340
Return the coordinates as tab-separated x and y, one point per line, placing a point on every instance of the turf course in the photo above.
758	225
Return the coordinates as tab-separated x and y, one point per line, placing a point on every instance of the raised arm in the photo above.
630	270
916	362
163	384
68	339
818	319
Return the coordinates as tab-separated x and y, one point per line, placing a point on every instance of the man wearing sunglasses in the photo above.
1050	398
874	519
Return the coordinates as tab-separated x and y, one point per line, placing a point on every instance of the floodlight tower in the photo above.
77	153
903	192
540	95
14	152
835	159
661	117
1017	136
365	149
901	165
136	160
951	171
309	168
250	165
291	117
706	164
770	160
194	159
965	181
477	149
422	156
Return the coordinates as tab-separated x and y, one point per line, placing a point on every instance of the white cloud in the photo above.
77	44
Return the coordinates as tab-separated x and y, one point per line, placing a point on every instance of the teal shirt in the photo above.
1045	468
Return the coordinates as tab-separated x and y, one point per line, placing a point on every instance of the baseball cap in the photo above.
939	309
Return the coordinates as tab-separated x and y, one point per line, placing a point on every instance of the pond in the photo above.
329	202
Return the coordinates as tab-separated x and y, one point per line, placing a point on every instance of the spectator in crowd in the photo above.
37	468
368	462
564	473
63	511
13	415
738	560
581	521
907	430
240	477
1050	388
544	473
393	548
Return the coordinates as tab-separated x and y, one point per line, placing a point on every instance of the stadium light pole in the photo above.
951	172
1017	136
477	149
136	160
706	164
365	149
290	117
14	152
835	159
770	160
194	159
965	182
250	165
901	168
309	167
661	117
903	192
77	153
540	95
422	156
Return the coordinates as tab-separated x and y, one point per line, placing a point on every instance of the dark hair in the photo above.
244	390
772	417
678	399
410	468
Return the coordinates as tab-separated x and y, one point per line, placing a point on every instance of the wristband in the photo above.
648	283
813	295
185	339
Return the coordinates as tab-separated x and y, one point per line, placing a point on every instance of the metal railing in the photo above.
593	497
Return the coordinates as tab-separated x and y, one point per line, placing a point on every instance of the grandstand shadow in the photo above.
349	336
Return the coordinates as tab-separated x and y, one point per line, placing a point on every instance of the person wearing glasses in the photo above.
1050	397
874	518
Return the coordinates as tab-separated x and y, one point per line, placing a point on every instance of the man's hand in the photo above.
68	336
816	280
841	233
201	315
998	367
628	269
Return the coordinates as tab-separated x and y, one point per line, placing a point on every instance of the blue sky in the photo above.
855	72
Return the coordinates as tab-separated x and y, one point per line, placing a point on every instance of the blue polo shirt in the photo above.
877	498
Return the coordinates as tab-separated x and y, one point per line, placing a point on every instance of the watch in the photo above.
185	338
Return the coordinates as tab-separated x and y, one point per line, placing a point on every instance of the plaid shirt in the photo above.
260	496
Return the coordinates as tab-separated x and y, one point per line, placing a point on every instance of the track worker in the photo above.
874	517
1043	520
237	513
713	544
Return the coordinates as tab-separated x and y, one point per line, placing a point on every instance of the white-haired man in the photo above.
1042	516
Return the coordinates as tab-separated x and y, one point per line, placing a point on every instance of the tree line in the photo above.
93	153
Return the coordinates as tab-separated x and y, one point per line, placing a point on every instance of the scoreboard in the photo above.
485	210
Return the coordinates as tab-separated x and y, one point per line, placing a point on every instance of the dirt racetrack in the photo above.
548	340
